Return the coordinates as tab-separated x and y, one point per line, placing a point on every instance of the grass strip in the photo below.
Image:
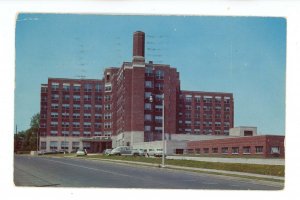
272	170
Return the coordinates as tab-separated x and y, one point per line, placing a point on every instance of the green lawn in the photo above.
274	170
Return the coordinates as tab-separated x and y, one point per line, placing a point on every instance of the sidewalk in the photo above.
260	161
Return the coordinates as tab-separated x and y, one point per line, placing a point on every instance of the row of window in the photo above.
55	106
77	133
75	87
54	115
77	125
205	99
77	97
232	150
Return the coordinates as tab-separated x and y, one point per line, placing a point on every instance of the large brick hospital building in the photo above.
127	103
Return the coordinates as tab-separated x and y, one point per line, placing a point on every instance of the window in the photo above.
65	124
159	74
87	97
66	97
64	145
54	115
198	108
188	98
108	88
107	124
76	87
246	150
98	107
75	145
107	107
97	133
148	71
76	124
76	115
205	150
87	125
227	109
86	133
207	99
218	108
54	86
148	117
43	145
259	149
97	125
54	96
54	124
76	106
217	124
158	108
159	86
107	98
275	150
235	150
76	98
66	87
147	95
87	107
188	107
158	119
98	88
215	150
86	145
87	116
53	145
98	116
98	98
65	106
224	150
197	99
148	106
53	133
147	128
148	84
76	133
88	87
107	116
65	133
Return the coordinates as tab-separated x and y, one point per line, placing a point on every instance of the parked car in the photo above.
81	152
107	151
156	152
137	152
125	150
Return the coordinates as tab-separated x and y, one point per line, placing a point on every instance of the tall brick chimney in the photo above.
139	46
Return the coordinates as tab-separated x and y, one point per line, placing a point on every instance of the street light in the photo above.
163	128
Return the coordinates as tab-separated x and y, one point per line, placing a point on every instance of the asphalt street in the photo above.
67	172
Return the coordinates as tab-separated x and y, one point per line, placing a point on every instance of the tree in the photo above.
27	140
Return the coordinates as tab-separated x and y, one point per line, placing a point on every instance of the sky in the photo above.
242	55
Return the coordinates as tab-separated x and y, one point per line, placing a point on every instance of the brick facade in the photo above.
257	146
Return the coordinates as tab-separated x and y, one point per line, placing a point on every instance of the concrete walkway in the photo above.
260	161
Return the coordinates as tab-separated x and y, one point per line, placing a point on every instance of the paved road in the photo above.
66	172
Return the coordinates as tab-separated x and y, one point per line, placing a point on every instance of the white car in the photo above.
126	151
81	152
156	152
